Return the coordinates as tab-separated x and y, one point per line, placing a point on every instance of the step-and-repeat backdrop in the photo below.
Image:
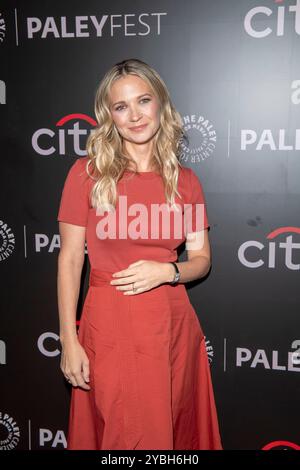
233	71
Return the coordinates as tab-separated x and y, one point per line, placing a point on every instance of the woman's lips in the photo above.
138	128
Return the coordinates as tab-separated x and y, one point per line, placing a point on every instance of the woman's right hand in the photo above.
75	364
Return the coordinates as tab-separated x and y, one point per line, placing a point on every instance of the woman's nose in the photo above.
135	114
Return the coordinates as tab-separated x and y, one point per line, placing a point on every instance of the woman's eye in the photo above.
119	108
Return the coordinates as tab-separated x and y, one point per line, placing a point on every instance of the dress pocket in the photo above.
97	345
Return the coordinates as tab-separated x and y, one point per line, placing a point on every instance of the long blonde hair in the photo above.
104	144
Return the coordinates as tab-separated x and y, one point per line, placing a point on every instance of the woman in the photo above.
138	365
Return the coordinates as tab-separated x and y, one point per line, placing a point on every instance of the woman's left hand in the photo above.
144	274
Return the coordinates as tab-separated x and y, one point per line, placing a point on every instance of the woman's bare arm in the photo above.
74	360
70	263
199	258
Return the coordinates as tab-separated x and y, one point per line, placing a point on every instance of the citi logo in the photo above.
255	254
48	344
257	19
281	445
65	137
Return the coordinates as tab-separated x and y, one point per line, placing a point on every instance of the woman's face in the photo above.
133	104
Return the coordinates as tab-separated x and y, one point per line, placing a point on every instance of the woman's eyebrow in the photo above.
138	97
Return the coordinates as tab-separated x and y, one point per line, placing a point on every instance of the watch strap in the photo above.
177	273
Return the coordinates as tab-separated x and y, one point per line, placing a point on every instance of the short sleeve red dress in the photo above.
150	378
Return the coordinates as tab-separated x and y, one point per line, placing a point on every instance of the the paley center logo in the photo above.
7	240
2	28
268	253
9	432
209	350
201	138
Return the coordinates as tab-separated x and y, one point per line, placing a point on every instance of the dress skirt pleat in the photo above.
149	373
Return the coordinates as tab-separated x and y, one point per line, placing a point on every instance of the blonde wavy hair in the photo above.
107	160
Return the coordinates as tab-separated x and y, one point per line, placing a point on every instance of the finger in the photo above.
138	290
84	385
124	273
121	273
86	371
124	280
73	378
137	263
71	381
81	383
127	286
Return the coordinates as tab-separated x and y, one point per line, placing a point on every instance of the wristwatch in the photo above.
177	273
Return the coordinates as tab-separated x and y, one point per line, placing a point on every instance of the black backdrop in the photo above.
233	72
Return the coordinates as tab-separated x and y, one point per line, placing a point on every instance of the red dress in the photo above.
149	373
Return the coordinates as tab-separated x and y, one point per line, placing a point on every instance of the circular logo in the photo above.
201	139
9	432
7	241
2	28
209	350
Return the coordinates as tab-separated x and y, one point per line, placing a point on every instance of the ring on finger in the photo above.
133	287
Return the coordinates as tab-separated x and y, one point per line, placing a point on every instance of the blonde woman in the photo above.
138	364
